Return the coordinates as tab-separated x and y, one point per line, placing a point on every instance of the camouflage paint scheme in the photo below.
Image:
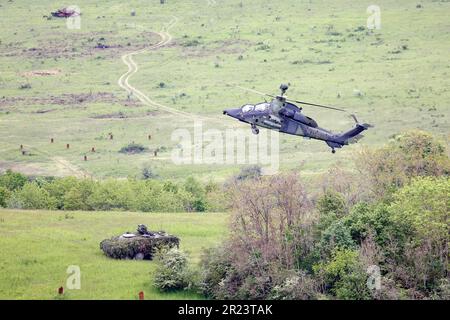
286	117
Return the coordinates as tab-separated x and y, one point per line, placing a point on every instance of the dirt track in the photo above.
123	81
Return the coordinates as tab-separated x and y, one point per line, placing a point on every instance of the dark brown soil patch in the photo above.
68	99
234	46
88	44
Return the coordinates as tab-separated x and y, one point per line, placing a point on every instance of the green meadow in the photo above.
39	246
395	78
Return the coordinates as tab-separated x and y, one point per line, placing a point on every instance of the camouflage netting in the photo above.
141	245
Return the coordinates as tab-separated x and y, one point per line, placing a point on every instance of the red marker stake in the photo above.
61	290
141	295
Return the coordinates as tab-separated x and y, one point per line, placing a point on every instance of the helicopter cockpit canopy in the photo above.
258	107
247	108
262	106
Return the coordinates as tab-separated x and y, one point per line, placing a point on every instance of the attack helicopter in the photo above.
283	115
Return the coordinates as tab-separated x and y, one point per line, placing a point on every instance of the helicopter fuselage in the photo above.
288	119
282	115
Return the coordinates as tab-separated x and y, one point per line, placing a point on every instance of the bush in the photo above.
423	208
419	249
151	195
300	286
336	236
111	195
331	206
58	188
133	148
12	180
148	173
77	197
31	196
4	196
197	192
250	172
216	197
215	267
365	219
172	271
343	275
412	154
332	202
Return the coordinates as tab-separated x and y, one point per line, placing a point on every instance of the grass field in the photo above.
396	78
38	246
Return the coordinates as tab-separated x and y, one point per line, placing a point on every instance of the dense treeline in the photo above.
379	233
18	191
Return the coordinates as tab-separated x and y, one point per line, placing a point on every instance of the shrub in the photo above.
419	249
4	196
272	216
412	154
149	173
343	275
300	286
215	266
250	172
423	207
172	271
31	196
332	202
133	148
111	195
331	206
58	188
151	195
12	180
197	192
216	197
77	197
336	236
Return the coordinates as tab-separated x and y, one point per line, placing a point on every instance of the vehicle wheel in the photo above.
333	151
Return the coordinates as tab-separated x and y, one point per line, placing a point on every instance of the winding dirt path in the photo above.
123	81
133	68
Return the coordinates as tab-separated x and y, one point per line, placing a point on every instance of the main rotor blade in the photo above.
257	92
296	101
317	105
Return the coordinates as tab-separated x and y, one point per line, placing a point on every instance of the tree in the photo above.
111	195
77	197
31	196
12	180
420	250
58	188
408	155
343	275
